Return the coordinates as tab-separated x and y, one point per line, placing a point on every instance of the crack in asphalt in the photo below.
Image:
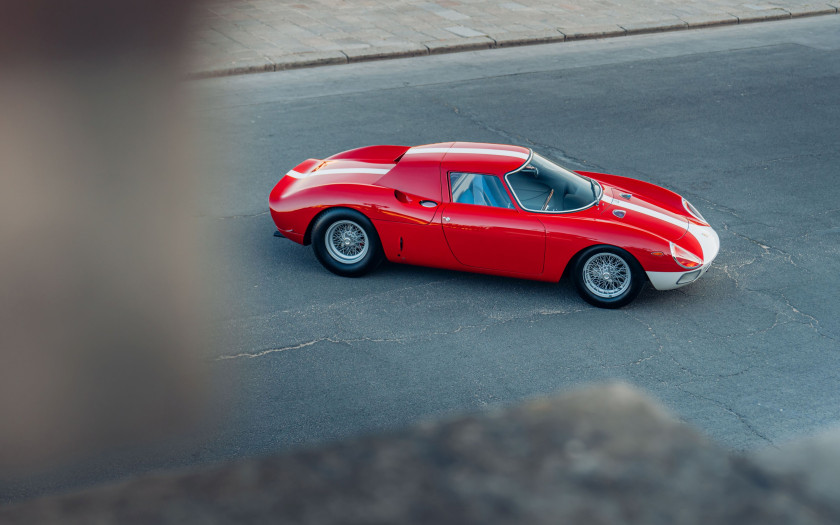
661	347
712	336
735	374
269	351
496	320
812	322
718	207
766	162
725	268
332	340
767	248
743	419
398	340
725	209
353	301
753	332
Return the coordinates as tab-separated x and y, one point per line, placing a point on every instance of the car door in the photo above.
484	229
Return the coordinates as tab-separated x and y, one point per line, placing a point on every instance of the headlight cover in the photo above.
693	211
685	258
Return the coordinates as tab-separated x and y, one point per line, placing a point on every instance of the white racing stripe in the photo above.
476	151
646	211
373	171
708	239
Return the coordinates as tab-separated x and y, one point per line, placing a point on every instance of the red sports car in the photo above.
495	209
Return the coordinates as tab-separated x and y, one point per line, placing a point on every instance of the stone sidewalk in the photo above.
244	36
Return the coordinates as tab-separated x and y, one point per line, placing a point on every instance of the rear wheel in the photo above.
608	277
346	243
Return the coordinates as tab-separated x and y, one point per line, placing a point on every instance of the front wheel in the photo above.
345	242
608	277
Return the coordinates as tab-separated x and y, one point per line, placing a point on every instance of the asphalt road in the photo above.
744	121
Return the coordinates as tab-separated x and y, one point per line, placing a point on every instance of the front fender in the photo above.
563	244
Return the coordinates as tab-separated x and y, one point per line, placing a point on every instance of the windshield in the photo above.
542	185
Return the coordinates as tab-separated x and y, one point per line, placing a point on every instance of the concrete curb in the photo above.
761	16
259	64
812	10
376	53
657	26
696	22
454	45
527	38
589	32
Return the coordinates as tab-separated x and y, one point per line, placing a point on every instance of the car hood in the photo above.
643	212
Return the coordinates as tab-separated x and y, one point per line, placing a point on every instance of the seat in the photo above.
480	196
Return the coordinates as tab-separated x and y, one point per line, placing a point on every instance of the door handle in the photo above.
446	219
428	204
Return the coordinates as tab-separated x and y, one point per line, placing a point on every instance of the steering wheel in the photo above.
550	194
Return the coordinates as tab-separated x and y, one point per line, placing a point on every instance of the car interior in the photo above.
543	190
484	190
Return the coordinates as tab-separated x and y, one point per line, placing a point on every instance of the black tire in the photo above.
346	243
620	280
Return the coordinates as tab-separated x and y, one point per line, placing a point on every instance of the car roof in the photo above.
418	169
473	157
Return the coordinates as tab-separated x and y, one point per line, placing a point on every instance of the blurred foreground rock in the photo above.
600	455
99	292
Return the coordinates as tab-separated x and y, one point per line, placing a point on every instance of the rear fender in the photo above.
375	154
377	203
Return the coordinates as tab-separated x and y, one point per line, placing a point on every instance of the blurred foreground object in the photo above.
97	307
601	455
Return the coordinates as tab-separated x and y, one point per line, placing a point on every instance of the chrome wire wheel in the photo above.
606	275
346	242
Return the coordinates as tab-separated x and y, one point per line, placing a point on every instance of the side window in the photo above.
483	190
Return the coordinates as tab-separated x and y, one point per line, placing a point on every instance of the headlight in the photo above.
693	211
685	258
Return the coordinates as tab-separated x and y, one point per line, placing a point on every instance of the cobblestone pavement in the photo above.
242	36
